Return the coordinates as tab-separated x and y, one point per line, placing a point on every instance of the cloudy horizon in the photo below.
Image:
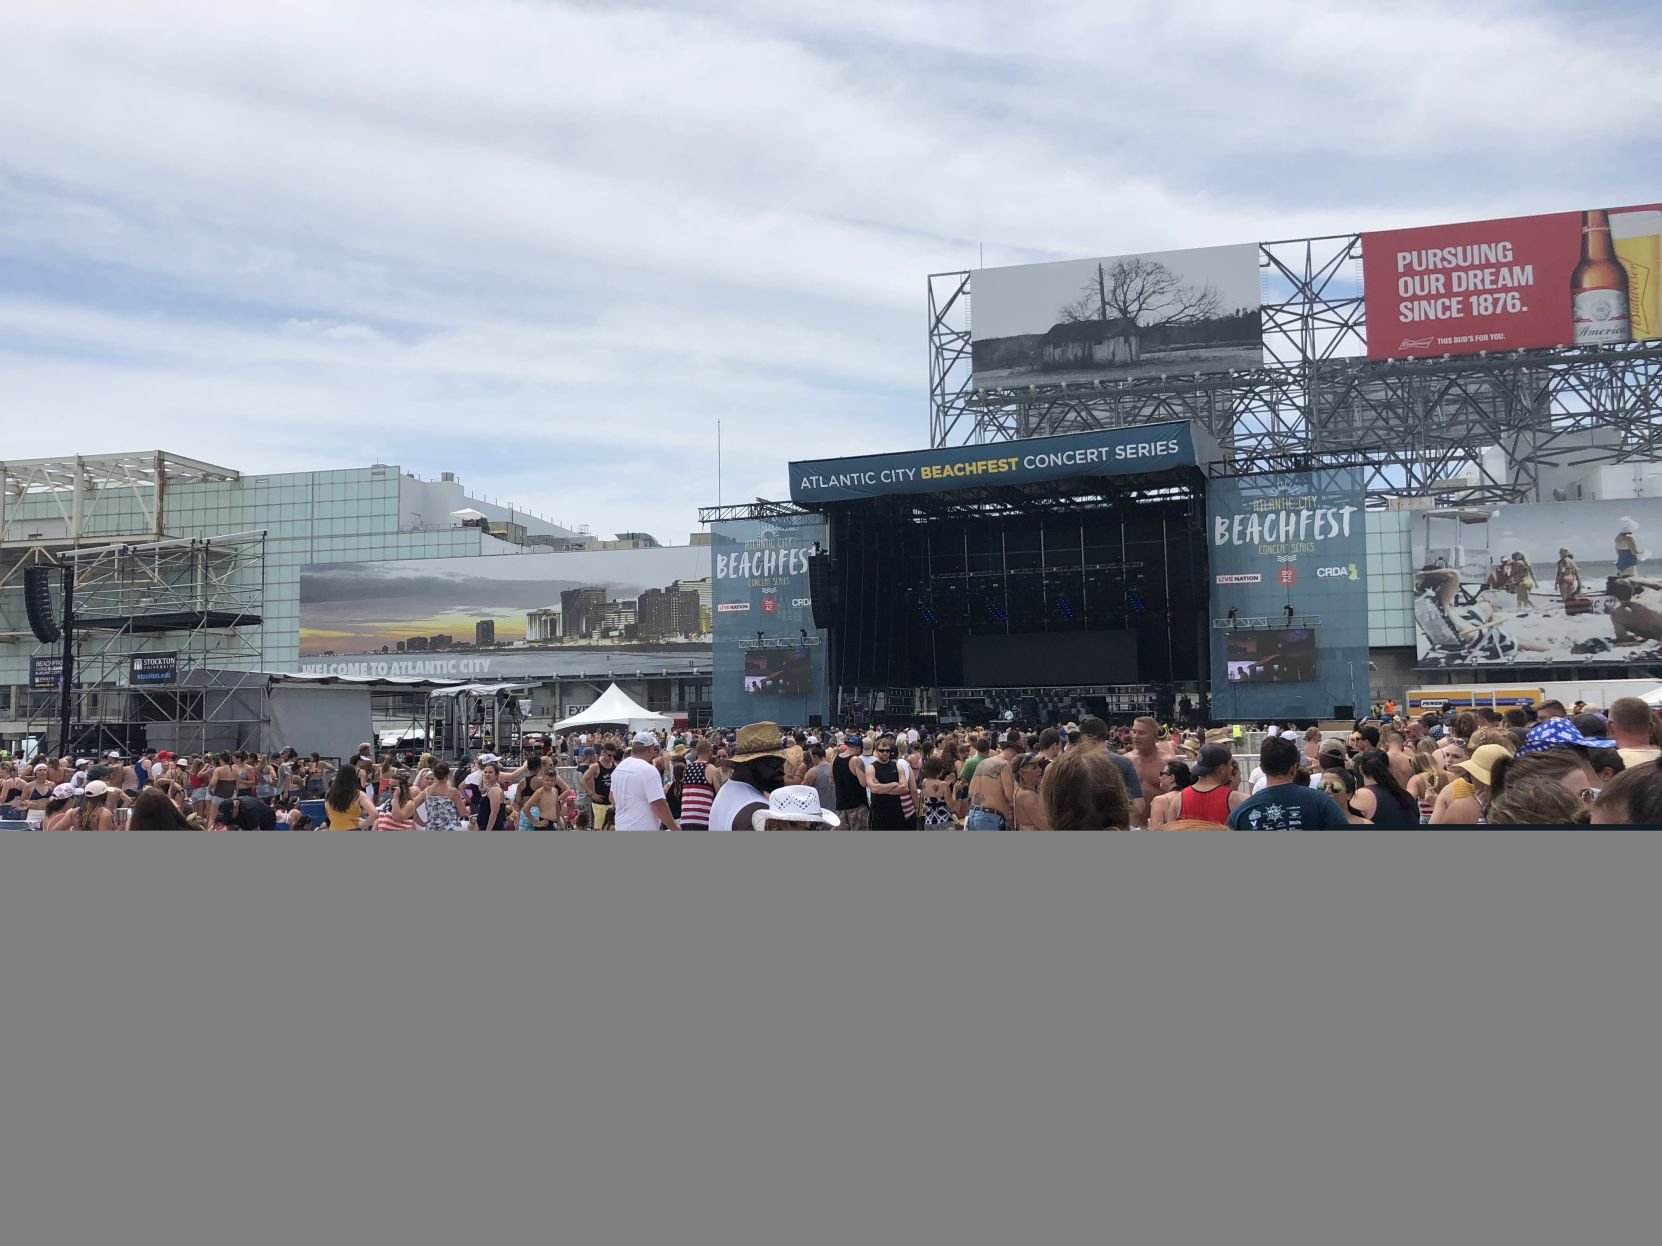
548	245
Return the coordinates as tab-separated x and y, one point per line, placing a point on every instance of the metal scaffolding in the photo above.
197	599
50	505
1415	427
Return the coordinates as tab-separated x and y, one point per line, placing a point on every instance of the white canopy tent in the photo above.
1653	698
616	709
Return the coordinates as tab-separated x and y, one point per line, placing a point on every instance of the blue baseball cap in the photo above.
1558	733
853	741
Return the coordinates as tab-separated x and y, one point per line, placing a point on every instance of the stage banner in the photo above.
1589	278
1538	584
1288	556
769	660
1109	452
46	674
1122	316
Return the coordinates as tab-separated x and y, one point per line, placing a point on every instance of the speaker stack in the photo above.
822	589
37	599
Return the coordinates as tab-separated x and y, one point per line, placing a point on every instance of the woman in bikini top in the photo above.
224	781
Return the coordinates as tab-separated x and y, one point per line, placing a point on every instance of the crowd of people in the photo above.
1553	766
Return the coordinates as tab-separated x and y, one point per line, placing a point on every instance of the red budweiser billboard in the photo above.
1564	279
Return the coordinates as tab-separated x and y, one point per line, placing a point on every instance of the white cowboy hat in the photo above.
798	803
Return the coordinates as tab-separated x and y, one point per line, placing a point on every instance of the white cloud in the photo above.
548	245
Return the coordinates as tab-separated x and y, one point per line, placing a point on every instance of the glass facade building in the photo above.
143	502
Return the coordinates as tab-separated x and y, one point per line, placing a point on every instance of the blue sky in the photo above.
547	245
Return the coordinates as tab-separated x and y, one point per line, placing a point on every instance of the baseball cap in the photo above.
853	741
164	755
645	739
97	788
63	792
1212	758
1558	733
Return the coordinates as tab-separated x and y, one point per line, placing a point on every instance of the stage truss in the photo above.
1416	428
200	599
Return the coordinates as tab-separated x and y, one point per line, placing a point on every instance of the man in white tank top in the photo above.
758	768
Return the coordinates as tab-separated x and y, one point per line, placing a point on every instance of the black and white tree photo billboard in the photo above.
1162	313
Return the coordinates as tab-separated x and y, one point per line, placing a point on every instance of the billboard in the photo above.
1547	583
770	659
153	669
1122	316
1588	278
1108	452
428	616
1288	563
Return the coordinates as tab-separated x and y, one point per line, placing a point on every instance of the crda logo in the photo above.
802	603
1335	573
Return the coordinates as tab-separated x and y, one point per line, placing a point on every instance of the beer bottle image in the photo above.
1598	287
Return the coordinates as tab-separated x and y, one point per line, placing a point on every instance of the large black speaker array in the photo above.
37	599
822	589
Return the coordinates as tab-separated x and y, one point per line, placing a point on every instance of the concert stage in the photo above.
1044	579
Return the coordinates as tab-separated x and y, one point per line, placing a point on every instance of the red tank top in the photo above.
1212	806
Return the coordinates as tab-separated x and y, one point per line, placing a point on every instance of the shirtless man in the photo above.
992	789
1399	754
1149	754
796	758
1634	623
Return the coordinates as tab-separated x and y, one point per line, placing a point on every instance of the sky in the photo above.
547	245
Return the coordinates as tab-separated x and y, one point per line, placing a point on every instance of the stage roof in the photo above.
1111	452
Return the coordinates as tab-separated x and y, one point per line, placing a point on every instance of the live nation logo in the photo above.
1250	578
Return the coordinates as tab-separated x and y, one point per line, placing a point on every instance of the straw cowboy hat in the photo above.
757	740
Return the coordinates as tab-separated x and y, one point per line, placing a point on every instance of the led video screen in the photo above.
778	673
1276	656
